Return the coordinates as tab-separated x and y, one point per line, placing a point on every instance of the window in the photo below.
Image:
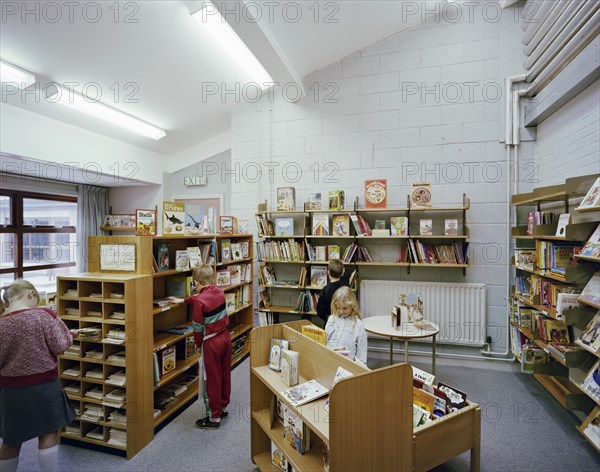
37	237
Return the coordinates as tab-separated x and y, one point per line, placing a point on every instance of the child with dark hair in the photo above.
335	271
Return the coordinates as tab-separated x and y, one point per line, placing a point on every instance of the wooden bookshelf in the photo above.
382	437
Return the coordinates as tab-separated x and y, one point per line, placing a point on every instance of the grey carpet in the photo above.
523	429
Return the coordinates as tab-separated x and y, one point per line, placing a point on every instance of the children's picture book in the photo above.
425	377
304	393
167	359
456	398
336	199
341	225
563	221
315	333
318	276
289	367
226	250
284	226
426	227
230	302
420	195
379	224
399	225
592	246
179	286
190	348
277	345
451	227
235	272
592	198
245	248
162	256
564	301
295	432
590	338
278	459
236	251
424	400
315	201
195	256
591	384
376	193
320	225
340	374
286	199
591	292
333	252
414	306
145	222
265	297
173	218
223	278
226	225
591	427
182	260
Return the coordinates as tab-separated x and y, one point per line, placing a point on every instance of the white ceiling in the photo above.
163	58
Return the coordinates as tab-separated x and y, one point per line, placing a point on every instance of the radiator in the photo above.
458	309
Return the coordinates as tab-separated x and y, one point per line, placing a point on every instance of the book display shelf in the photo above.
551	332
159	362
364	427
295	247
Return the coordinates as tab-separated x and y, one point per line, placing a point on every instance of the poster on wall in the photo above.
202	214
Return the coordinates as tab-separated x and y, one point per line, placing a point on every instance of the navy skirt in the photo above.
29	412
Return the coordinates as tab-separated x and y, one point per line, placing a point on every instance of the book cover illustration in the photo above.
591	384
451	227
182	260
145	222
235	274
341	225
422	375
590	338
173	218
592	198
289	367
456	398
320	224
229	302
563	221
277	345
226	225
278	459
336	199
284	226
426	227
294	431
376	193
413	302
399	225
315	333
223	278
315	202
420	195
592	246
333	252
304	393
565	301
591	427
286	199
162	256
318	276
194	256
591	291
167	357
340	374
226	250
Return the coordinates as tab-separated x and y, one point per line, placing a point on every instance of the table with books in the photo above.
381	326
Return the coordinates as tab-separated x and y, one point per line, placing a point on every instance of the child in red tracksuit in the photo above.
211	336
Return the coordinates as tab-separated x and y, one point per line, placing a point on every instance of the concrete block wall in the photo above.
422	105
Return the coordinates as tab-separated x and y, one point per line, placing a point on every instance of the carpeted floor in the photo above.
523	429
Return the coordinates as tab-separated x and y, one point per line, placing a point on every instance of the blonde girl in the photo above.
32	401
344	328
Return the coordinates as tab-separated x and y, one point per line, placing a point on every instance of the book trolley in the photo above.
369	426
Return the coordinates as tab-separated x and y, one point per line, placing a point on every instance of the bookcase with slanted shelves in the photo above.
175	389
535	293
111	411
366	427
293	256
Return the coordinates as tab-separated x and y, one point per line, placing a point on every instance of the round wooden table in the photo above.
382	326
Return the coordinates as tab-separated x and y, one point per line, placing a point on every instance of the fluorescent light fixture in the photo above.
72	99
15	75
211	21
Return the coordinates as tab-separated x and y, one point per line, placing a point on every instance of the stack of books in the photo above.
92	413
115	399
117	379
115	336
117	437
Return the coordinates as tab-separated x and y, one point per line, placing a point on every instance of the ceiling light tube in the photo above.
72	99
211	21
10	74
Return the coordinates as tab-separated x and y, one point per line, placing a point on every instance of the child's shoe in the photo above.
224	413
206	423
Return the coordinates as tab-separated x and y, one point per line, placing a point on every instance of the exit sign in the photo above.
194	181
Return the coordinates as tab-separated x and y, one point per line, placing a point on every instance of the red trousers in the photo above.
217	363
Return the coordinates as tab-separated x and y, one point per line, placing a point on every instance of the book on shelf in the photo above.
413	303
173	218
304	393
340	374
289	367
162	256
380	232
236	251
277	346
525	258
591	383
295	432
563	221
424	400
182	260
179	329
145	222
336	199
591	291
166	358
422	375
531	356
286	199
341	225
590	337
228	225
265	297
223	278
318	276
284	226
592	198
590	428
451	227
315	201
379	224
230	302
592	246
421	194
426	227
278	459
456	398
179	286
333	252
376	193
320	224
194	256
226	250
189	348
399	225
315	333
235	272
565	301
268	275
